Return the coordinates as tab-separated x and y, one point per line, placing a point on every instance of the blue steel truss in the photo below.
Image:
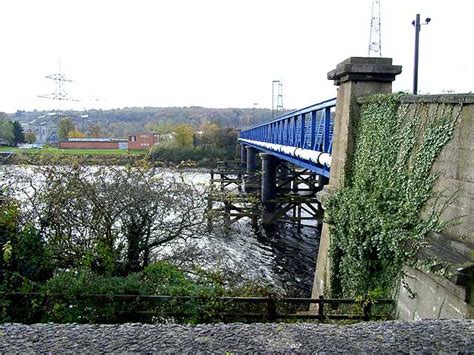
309	128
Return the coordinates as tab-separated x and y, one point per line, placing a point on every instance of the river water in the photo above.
284	259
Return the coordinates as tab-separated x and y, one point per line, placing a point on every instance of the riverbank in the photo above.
428	336
55	156
163	157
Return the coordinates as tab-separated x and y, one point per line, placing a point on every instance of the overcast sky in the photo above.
218	53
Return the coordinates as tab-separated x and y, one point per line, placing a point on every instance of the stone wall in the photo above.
88	145
447	290
447	293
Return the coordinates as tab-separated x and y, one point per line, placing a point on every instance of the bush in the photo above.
157	279
204	157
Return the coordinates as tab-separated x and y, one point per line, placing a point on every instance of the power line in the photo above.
277	97
375	40
59	93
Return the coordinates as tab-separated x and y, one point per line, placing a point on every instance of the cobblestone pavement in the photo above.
395	336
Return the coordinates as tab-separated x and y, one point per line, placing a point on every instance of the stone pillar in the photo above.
356	77
269	165
243	155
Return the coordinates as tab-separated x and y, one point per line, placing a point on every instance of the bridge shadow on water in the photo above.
295	254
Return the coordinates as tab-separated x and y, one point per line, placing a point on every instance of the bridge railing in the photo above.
303	137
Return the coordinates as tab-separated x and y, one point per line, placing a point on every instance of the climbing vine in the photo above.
376	221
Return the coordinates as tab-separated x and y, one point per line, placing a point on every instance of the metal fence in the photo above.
248	309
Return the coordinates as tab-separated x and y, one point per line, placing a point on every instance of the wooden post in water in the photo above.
209	204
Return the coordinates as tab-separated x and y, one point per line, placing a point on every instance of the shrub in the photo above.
204	157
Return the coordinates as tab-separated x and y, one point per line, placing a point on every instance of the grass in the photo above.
56	151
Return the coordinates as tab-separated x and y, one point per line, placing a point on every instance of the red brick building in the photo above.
143	140
92	143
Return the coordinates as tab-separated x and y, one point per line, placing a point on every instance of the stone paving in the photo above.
430	336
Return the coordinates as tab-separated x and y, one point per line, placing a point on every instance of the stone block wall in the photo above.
450	294
422	294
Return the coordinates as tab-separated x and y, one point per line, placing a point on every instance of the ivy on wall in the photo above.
375	221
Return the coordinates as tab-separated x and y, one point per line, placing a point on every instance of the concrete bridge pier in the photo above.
269	186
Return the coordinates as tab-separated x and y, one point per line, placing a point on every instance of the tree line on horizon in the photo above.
119	123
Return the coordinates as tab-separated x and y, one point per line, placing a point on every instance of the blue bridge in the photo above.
303	137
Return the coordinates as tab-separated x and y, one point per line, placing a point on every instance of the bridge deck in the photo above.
303	137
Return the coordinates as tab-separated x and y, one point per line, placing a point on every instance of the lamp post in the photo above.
274	102
254	105
416	23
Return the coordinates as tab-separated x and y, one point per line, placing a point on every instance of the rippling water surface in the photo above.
284	258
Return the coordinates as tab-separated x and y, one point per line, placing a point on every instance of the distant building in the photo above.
93	143
45	129
143	140
53	138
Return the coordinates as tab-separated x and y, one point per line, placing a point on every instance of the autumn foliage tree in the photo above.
183	136
75	134
65	126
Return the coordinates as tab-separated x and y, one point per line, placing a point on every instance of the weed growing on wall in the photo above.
375	220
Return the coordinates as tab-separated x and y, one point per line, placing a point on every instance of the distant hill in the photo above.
120	122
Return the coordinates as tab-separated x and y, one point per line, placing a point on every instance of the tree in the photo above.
184	136
111	219
6	132
65	126
160	127
30	137
18	133
226	138
94	131
209	133
75	134
22	249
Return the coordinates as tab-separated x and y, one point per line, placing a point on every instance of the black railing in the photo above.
250	309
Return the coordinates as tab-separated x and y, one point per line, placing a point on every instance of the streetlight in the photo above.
274	82
254	105
416	23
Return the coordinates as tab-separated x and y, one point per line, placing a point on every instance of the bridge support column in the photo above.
269	169
322	181
355	77
251	183
243	155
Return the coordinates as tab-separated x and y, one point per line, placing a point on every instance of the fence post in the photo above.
271	309
367	310
209	203
321	307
